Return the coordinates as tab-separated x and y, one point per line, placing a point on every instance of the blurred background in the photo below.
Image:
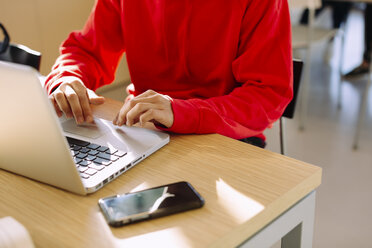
344	200
42	25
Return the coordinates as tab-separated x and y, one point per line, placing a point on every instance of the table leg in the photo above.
295	227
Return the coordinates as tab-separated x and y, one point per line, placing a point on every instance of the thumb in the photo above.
94	98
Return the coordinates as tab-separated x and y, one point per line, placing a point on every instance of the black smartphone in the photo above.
150	203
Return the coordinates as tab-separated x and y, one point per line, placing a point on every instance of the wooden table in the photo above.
245	189
305	3
318	3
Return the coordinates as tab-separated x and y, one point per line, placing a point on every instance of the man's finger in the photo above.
115	121
132	103
134	113
62	103
157	117
74	102
133	108
148	116
82	95
146	94
121	117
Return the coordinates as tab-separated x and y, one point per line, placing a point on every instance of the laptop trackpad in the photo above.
92	131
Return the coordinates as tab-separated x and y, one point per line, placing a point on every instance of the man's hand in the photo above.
150	106
72	98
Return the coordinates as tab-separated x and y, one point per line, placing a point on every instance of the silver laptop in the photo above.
37	144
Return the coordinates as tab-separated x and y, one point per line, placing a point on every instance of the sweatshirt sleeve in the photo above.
263	71
92	54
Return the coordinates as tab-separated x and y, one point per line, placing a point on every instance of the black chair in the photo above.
289	111
18	53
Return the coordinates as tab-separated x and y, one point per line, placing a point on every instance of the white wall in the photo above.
43	24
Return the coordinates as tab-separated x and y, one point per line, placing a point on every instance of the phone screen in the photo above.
150	203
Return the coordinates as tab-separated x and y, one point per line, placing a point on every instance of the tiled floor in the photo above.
344	200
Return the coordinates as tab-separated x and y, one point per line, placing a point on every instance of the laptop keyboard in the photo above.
92	158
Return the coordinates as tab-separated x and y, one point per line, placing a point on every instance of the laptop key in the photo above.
120	153
81	155
90	171
84	163
102	149
77	141
93	152
84	150
107	156
90	158
77	160
104	155
111	151
93	146
76	148
83	168
85	176
96	166
101	161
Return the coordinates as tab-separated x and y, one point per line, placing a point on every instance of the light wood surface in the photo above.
244	187
305	4
318	3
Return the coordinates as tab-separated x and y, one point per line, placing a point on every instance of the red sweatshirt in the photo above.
227	64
